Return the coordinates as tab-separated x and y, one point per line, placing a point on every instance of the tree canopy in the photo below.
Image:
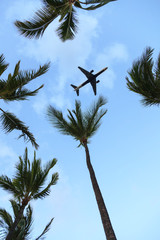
13	89
145	78
65	10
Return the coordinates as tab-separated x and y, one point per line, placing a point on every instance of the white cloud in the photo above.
7	157
68	54
116	53
65	57
21	10
40	103
6	152
60	101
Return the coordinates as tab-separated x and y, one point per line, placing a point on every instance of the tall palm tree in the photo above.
12	89
145	78
23	229
82	126
65	10
28	184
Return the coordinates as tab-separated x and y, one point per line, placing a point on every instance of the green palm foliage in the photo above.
28	184
23	229
65	10
145	78
82	126
13	89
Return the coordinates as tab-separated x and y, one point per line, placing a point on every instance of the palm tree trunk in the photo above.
109	232
16	221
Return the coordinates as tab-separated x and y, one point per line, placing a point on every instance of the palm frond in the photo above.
57	120
24	77
26	223
6	219
10	122
3	65
73	124
78	115
94	4
68	27
38	24
56	4
20	94
93	116
47	228
46	191
7	184
144	79
15	207
12	88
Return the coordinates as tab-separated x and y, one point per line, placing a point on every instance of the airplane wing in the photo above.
93	83
88	74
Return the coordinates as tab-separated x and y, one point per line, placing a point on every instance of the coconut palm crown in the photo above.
82	126
12	89
65	10
28	184
145	78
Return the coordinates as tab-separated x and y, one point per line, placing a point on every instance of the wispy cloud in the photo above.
110	56
21	10
7	157
65	58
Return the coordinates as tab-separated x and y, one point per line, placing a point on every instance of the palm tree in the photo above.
23	229
145	78
65	10
12	89
28	184
82	126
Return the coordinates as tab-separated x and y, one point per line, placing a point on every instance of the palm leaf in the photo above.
47	228
56	4
20	94
24	77
15	207
144	79
12	88
10	122
46	191
28	220
8	185
68	27
38	24
6	219
92	116
3	65
94	4
57	120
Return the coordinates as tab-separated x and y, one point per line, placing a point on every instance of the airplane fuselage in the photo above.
91	78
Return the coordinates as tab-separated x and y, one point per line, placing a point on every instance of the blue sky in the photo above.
125	151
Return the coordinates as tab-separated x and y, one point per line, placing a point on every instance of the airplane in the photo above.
91	79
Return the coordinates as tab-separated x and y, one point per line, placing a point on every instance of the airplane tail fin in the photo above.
77	91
